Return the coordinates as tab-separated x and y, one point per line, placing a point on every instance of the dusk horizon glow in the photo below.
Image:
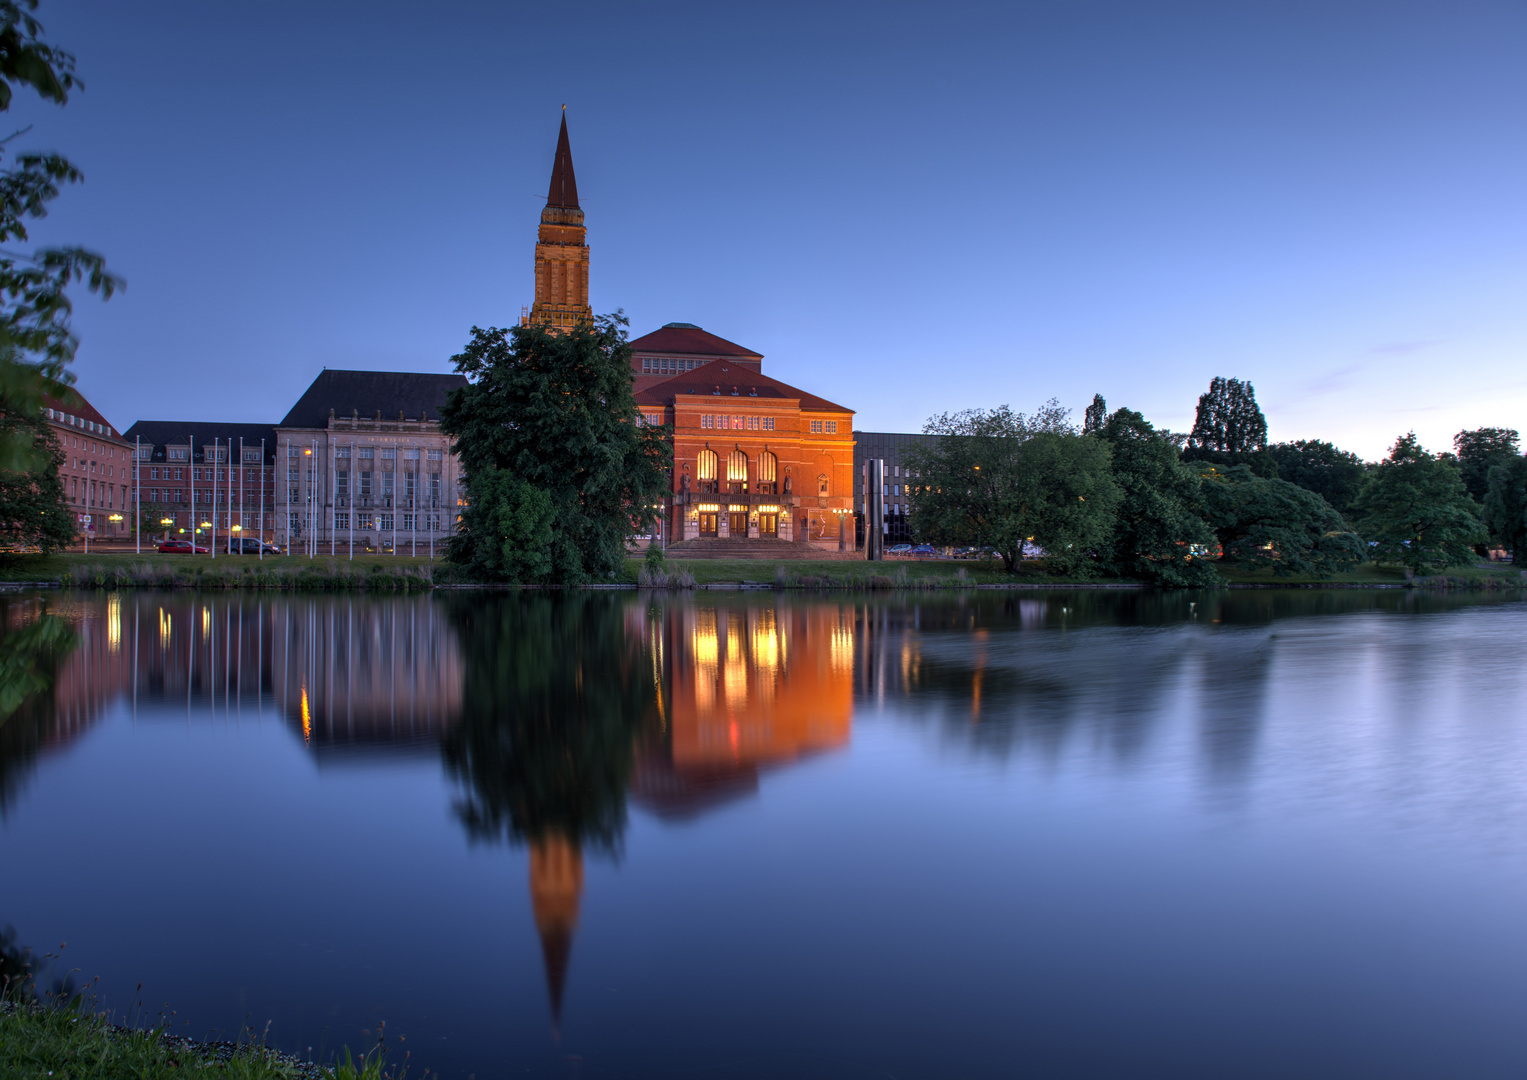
906	210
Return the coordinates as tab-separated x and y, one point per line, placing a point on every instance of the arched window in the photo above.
737	472
768	474
707	476
822	485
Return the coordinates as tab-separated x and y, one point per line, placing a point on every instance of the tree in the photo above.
1506	507
1260	523
1481	450
1228	419
1335	475
1230	429
1096	416
1158	535
36	343
554	414
33	511
1416	511
1000	479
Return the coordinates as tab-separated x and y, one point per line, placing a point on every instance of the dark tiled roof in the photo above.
564	185
725	376
81	408
685	339
417	396
162	433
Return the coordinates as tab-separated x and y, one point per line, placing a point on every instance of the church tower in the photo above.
562	258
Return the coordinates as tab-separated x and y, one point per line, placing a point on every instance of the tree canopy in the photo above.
559	471
1415	510
1229	419
1481	450
1506	507
1335	475
1158	535
1261	522
36	342
998	478
32	507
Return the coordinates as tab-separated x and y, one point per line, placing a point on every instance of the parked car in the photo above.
923	549
899	549
181	547
248	545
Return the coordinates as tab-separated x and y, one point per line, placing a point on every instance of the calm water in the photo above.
1076	834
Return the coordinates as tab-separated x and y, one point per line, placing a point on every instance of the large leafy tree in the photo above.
36	343
1273	523
1335	475
558	471
1229	428
1481	450
1416	511
1158	535
33	512
998	478
1506	507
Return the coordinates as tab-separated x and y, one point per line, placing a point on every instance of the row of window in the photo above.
819	427
385	522
78	421
386	453
737	423
342	484
95	494
660	365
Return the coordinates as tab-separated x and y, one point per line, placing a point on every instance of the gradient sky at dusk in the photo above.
905	208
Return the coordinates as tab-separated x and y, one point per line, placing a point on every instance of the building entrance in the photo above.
768	524
737	522
708	522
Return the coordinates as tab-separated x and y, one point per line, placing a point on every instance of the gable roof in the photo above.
82	409
417	395
725	376
161	433
687	339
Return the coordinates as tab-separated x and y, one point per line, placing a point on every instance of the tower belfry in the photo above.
562	257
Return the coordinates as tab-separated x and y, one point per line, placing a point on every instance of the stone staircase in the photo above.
739	547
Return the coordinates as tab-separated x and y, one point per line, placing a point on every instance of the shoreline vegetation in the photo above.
403	574
63	1039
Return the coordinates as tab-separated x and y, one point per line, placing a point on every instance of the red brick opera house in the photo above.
752	457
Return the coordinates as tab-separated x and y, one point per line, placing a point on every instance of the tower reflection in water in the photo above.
548	711
572	702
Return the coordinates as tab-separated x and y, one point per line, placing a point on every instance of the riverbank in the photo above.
399	573
38	1042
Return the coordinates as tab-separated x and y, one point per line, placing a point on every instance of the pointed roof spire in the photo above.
564	186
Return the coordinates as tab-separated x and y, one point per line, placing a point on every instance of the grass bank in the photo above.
400	573
46	1042
382	573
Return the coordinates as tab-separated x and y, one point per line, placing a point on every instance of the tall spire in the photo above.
562	256
564	186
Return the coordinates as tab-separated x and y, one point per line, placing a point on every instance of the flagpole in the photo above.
262	500
137	500
212	545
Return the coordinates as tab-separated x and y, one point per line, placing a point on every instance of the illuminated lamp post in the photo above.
167	522
235	530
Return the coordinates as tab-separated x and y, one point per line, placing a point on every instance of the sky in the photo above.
907	208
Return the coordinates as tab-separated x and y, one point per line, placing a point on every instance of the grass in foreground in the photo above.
39	1042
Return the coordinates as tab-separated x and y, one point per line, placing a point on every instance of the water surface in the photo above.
1070	834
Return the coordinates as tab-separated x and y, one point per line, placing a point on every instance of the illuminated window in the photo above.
736	467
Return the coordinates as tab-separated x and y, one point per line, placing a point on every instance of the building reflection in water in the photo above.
748	686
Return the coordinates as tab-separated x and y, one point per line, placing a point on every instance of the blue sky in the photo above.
906	208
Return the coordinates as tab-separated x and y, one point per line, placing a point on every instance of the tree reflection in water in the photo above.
556	697
33	643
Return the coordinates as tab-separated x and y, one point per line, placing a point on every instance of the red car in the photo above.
181	547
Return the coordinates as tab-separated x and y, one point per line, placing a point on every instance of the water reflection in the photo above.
553	714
